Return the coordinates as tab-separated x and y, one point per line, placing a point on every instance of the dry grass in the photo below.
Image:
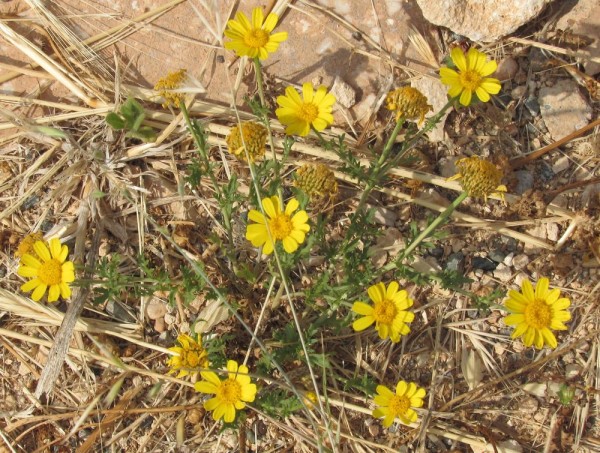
89	377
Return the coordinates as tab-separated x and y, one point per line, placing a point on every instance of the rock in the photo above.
520	261
564	109
503	273
561	164
532	105
524	181
483	263
497	256
437	95
552	231
456	262
156	308
507	69
384	216
344	93
447	166
160	325
481	20
457	245
508	259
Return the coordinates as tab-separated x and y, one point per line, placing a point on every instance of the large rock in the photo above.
481	20
563	108
584	19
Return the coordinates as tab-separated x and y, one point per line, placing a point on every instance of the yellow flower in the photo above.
254	39
409	103
400	405
285	227
190	357
26	245
317	181
166	85
534	313
48	270
253	135
479	178
299	114
231	394
471	77
389	313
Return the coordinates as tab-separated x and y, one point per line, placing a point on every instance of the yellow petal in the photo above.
362	323
458	57
42	251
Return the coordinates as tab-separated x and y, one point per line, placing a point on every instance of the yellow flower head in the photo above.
166	85
26	245
471	77
285	226
231	394
254	39
389	312
48	269
408	395
189	357
409	103
535	313
317	181
300	113
253	135
479	178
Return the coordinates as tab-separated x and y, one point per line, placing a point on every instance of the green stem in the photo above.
430	229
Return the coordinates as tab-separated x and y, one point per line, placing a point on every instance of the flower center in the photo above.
538	314
384	312
399	405
256	38
281	226
192	358
308	112
50	273
470	80
229	392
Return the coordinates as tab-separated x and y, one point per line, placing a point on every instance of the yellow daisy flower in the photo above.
317	181
49	269
190	356
254	39
285	227
471	77
535	313
299	114
479	178
231	394
408	395
389	312
26	245
408	102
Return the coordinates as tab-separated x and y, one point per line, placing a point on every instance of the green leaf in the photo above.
115	121
131	109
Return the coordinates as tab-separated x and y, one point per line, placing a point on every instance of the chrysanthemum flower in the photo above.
389	312
49	269
408	395
479	178
317	181
409	103
166	85
231	394
190	356
299	114
26	245
251	134
285	226
471	77
254	39
535	313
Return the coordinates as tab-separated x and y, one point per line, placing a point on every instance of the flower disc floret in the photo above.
284	226
409	103
471	77
250	134
300	113
389	311
190	356
479	178
535	313
253	39
398	405
231	394
48	269
166	85
317	181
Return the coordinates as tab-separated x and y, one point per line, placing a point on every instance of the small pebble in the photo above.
524	182
456	262
503	273
520	261
156	309
160	325
486	264
497	256
561	164
508	259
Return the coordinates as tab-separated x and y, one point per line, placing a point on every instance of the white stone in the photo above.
520	261
437	96
503	273
344	93
508	259
561	164
481	20
563	108
156	309
552	231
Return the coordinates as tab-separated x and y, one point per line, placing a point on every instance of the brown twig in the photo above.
520	161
